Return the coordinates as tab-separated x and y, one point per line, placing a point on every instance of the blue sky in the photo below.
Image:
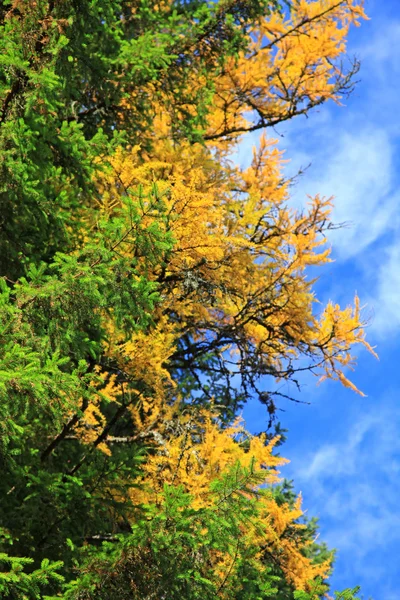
345	449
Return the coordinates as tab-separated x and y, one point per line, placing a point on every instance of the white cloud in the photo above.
354	483
380	55
355	167
386	297
335	459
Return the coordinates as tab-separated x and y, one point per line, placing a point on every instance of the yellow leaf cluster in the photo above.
201	452
93	421
143	357
291	63
198	456
339	331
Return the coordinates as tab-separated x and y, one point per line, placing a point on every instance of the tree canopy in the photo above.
150	287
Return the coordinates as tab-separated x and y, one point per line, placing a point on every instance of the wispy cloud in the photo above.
387	292
356	168
344	479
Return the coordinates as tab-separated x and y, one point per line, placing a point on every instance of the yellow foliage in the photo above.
238	266
93	421
143	357
289	65
238	263
339	331
198	455
184	460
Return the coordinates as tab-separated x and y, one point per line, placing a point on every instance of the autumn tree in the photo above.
150	287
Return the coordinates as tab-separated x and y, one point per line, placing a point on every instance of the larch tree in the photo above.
150	287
